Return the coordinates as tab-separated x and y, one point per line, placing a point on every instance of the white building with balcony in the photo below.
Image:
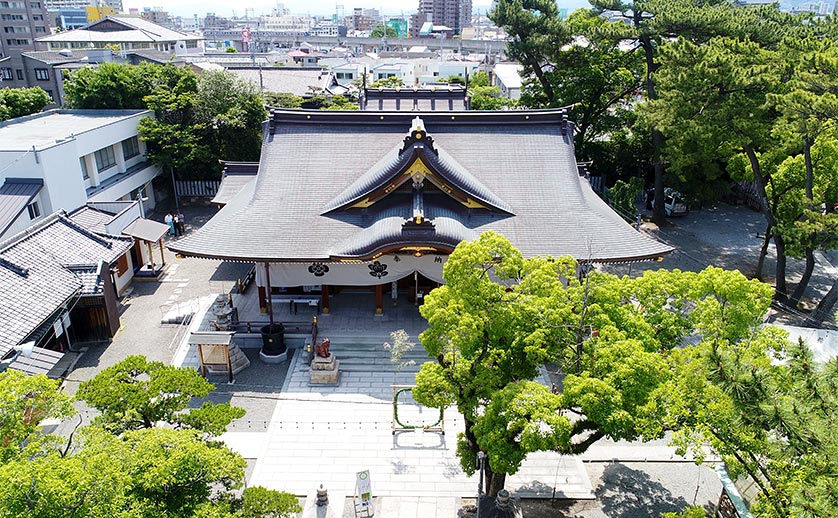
63	159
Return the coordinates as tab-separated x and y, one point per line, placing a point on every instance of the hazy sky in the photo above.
313	7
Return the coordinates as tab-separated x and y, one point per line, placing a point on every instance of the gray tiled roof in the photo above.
56	57
235	176
285	79
310	157
35	272
397	160
15	195
91	219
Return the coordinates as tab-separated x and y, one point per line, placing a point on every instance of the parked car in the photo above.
673	202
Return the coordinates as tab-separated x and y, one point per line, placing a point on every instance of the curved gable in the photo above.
418	160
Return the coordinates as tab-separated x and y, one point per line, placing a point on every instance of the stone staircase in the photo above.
367	353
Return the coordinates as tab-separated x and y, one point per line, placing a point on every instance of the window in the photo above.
42	74
49	94
19	73
34	210
38	17
40	29
130	147
104	158
17	42
35	5
12	5
84	173
13	17
6	73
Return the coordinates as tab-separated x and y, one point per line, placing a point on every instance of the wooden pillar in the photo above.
150	256
324	299
379	307
268	291
162	257
201	359
229	365
138	249
263	308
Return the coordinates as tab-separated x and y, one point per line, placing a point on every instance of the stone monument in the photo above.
325	369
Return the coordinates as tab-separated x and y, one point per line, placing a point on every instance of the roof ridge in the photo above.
63	217
28	231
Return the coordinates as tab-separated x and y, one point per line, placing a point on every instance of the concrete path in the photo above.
324	435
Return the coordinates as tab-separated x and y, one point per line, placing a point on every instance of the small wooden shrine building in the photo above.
380	199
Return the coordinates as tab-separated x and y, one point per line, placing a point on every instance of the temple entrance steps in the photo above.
367	354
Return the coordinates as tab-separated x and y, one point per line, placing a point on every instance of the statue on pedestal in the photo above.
322	349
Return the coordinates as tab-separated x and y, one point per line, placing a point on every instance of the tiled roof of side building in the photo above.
310	157
15	195
284	79
35	275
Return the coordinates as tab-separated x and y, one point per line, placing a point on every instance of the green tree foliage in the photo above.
478	79
231	50
624	194
283	100
489	98
137	393
110	86
147	472
17	102
500	317
381	31
199	121
234	108
387	82
24	402
772	421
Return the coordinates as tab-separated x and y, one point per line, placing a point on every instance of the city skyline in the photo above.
187	8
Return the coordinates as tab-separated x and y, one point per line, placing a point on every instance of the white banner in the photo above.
364	487
385	269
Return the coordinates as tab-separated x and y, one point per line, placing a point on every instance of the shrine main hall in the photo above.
378	200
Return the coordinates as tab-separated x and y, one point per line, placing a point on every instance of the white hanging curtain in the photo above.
385	269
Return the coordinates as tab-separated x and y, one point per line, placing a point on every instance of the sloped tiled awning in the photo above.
146	230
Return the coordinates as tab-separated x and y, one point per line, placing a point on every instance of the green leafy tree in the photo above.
25	401
17	102
478	79
767	408
387	82
234	109
488	98
381	31
283	100
110	86
137	393
624	194
499	318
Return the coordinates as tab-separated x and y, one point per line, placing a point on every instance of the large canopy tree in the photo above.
199	120
137	393
500	317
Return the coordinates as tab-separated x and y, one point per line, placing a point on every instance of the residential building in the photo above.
157	15
402	70
126	33
507	77
21	23
57	284
455	14
347	73
75	157
68	18
81	4
286	23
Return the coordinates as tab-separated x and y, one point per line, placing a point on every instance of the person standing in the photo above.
177	226
181	224
170	220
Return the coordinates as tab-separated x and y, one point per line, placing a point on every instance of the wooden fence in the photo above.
197	188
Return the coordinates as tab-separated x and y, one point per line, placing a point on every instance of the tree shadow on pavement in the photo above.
629	493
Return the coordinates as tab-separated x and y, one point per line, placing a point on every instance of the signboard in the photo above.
364	487
247	37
